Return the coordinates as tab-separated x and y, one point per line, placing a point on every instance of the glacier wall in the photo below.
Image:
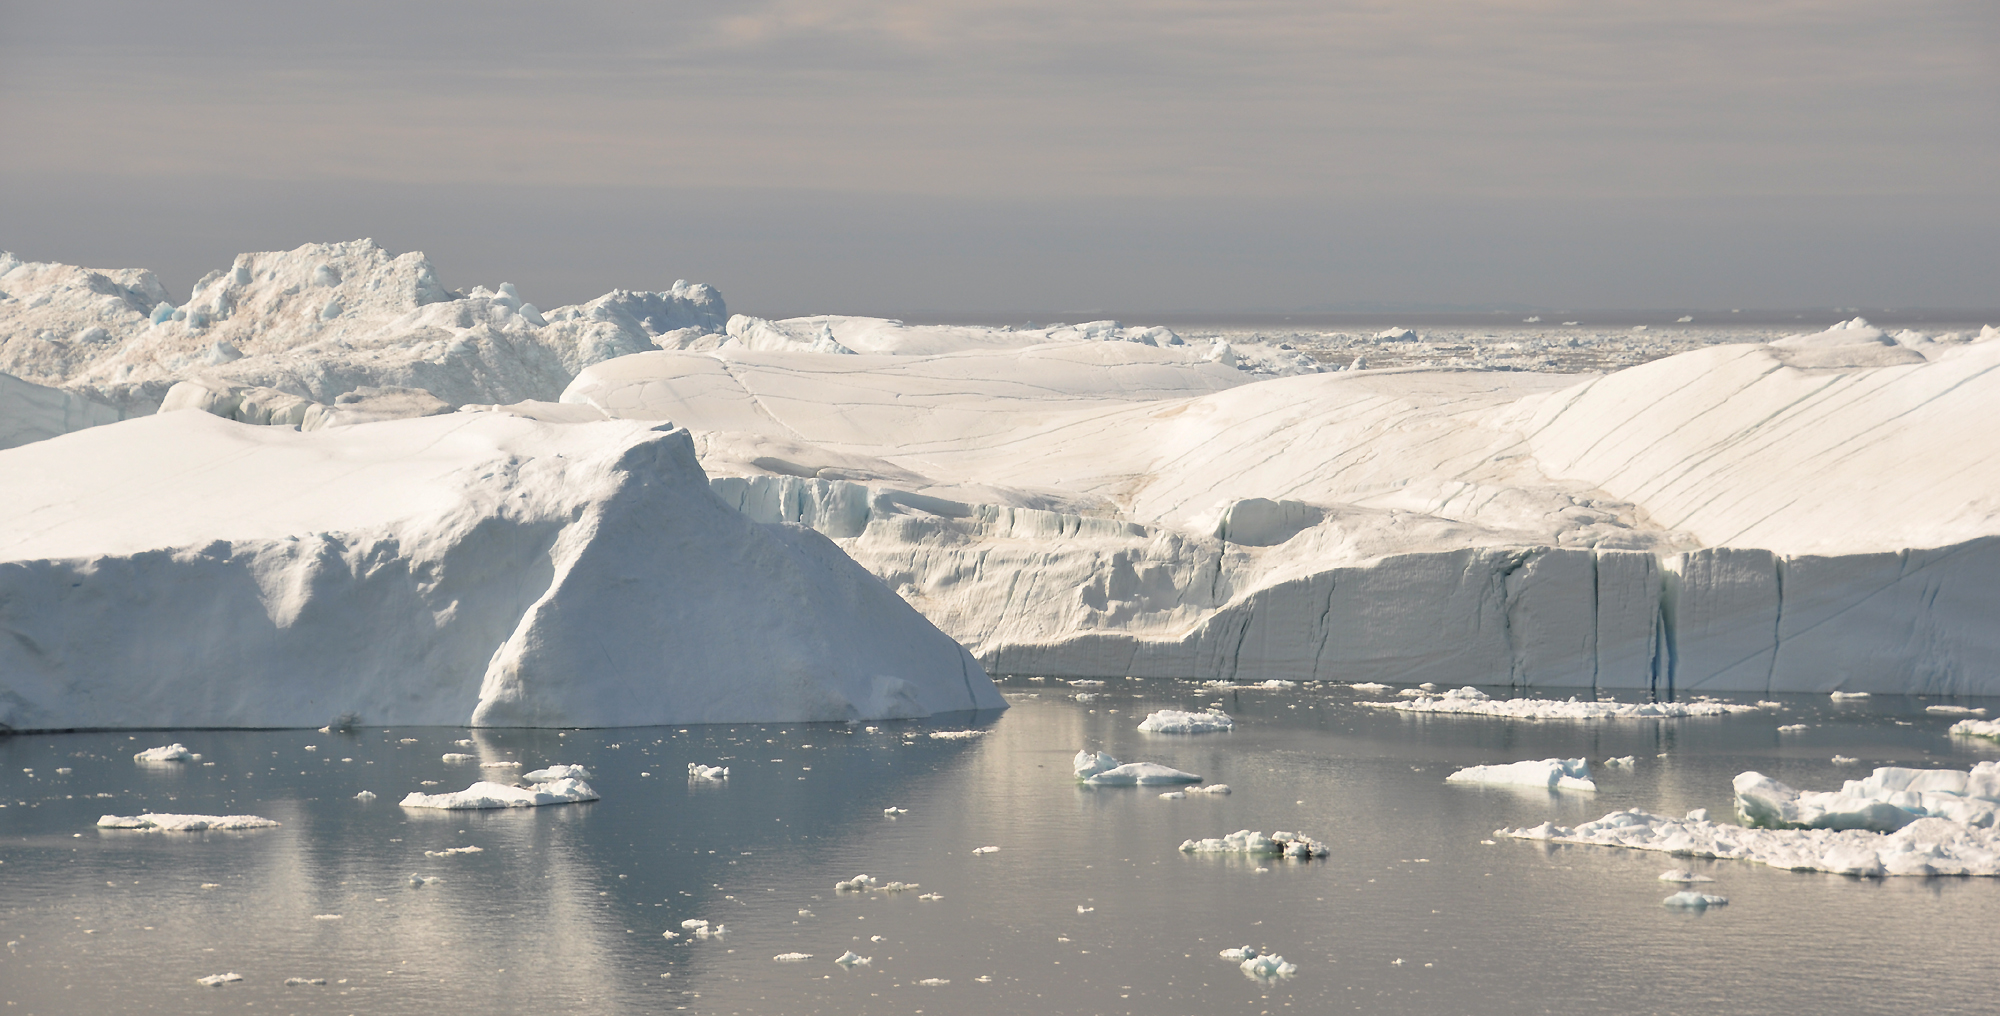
185	570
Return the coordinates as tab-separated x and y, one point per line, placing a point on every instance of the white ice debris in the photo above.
365	796
934	982
1793	728
1473	702
1213	788
856	884
1690	898
1174	795
1977	728
184	823
1250	841
1621	762
556	772
1846	760
1887	800
176	752
1371	687
711	931
892	811
301	982
458	756
1100	769
1682	875
985	850
1268	966
850	959
694	924
500	795
1954	711
1549	773
792	957
703	772
1081	909
453	851
1839	696
218	980
955	735
500	765
1175	721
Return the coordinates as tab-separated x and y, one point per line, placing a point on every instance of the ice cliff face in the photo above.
318	322
1732	519
183	569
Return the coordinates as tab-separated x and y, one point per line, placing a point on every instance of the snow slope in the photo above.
1810	514
320	321
30	412
186	570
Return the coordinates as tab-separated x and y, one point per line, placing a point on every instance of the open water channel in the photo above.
1086	907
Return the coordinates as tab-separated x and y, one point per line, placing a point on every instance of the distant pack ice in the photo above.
186	570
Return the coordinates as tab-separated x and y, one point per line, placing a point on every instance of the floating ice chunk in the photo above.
463	742
670	934
184	823
1175	721
1473	702
792	957
892	811
1792	728
165	753
716	931
417	881
1551	773
1621	762
1846	760
453	851
856	884
1695	900
365	796
1088	764
898	887
933	982
1842	695
1977	728
499	795
985	850
1372	687
1081	909
1682	875
1174	795
1213	788
850	959
931	897
806	913
1250	841
1268	966
701	772
556	772
218	980
1241	953
314	747
1954	711
455	756
693	924
300	982
499	765
955	735
326	917
1141	774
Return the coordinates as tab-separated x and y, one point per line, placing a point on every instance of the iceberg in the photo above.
1250	841
1694	900
485	795
175	752
1887	800
478	568
1101	770
1989	729
184	823
556	772
1548	774
1175	721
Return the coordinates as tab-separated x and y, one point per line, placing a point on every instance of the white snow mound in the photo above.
1549	773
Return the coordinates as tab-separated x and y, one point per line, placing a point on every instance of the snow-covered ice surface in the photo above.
184	823
478	567
1886	800
1473	702
1548	774
175	752
1181	721
1250	841
1989	729
484	795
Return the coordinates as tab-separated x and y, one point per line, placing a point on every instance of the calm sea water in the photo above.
1087	907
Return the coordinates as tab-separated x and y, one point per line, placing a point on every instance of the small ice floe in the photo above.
806	913
454	851
1175	721
1621	762
899	887
850	959
693	924
484	795
1213	788
1267	967
985	850
407	740
554	773
859	883
218	980
1081	909
697	771
65	770
931	897
716	931
314	747
792	957
1174	795
1548	773
670	934
1473	702
458	756
165	753
1846	760
499	765
956	735
1241	953
184	823
1840	696
1989	729
417	881
1250	841
326	917
1792	728
893	811
301	982
1694	900
1954	711
1101	770
1768	704
1682	875
465	742
1371	687
365	796
934	982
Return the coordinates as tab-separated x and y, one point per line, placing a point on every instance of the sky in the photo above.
991	157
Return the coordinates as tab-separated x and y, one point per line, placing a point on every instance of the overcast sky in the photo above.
997	156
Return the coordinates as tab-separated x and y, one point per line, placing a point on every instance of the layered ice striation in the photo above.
182	570
1548	774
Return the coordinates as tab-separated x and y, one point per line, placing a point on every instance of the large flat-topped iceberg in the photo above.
1806	515
185	570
